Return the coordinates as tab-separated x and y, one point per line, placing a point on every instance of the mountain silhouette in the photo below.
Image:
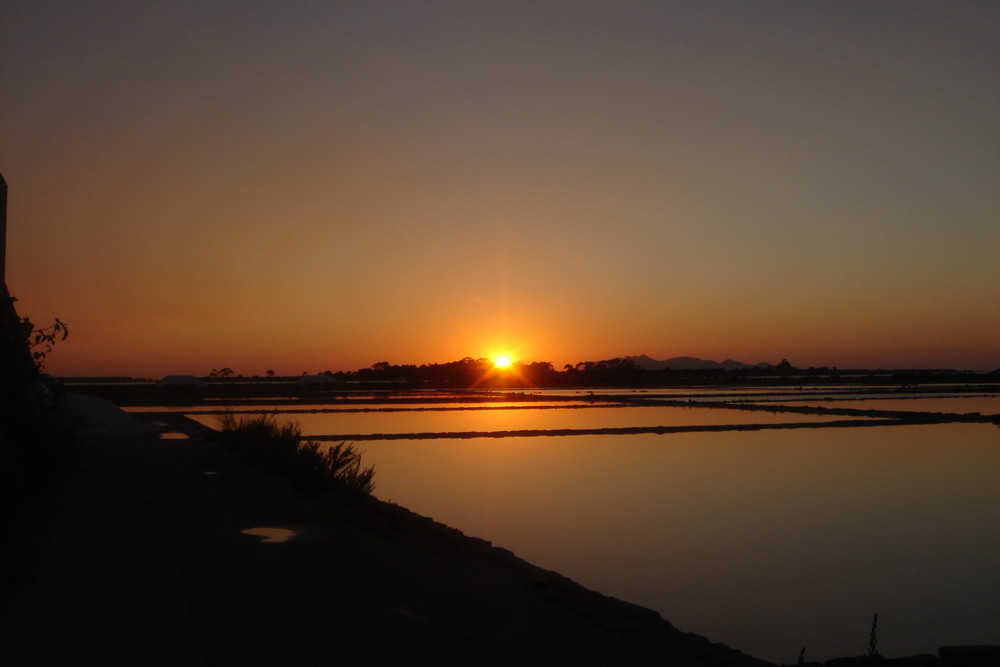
649	363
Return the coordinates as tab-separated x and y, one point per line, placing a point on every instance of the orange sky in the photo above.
312	186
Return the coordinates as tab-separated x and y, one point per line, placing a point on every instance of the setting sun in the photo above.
502	361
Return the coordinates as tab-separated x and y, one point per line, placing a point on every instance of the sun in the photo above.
502	361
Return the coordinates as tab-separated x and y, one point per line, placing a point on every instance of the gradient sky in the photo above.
314	185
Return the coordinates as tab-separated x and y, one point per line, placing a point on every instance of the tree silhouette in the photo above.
41	340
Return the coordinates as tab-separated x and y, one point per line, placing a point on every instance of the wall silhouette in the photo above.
3	230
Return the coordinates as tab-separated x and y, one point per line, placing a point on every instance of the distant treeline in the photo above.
625	372
468	373
620	372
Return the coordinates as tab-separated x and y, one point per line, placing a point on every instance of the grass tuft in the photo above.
308	465
873	638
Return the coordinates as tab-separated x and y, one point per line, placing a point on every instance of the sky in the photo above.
320	185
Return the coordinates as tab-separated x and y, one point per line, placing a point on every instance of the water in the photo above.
987	405
526	418
765	540
271	534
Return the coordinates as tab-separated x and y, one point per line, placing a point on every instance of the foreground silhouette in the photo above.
152	555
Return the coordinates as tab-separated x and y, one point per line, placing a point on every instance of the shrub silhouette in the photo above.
308	465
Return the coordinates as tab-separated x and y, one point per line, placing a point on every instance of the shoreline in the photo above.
405	578
143	555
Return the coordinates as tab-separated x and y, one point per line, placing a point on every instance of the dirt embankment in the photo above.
143	557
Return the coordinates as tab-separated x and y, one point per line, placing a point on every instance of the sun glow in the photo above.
502	361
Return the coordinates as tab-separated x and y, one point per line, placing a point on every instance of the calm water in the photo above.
430	421
767	541
986	405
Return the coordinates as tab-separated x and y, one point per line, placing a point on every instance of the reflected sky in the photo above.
271	533
767	541
987	405
524	419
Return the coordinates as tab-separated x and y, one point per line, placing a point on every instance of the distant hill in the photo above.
649	363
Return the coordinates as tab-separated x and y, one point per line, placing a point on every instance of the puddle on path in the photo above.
271	534
174	435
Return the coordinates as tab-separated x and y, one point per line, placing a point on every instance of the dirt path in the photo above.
142	559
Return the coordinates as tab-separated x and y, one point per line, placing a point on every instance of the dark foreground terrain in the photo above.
140	558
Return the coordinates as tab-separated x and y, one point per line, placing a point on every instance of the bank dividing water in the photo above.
354	424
